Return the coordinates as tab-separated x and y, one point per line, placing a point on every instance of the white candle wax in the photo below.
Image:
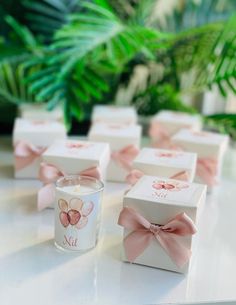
78	189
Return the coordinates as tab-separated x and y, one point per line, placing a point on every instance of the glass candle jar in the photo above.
77	212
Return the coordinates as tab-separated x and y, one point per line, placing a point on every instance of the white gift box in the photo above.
34	136
159	200
119	137
166	163
170	122
39	112
114	114
72	156
205	144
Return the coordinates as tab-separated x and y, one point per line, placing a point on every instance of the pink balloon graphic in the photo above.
87	208
64	219
82	222
160	185
74	217
74	213
63	205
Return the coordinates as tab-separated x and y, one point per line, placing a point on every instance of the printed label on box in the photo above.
164	190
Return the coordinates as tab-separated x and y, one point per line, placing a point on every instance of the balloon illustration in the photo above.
74	213
169	186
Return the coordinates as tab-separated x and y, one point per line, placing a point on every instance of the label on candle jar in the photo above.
77	217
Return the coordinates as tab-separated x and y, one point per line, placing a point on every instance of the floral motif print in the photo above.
76	145
167	155
169	185
74	213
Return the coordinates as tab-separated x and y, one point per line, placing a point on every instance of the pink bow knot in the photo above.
143	232
155	229
49	174
160	137
136	174
125	156
26	153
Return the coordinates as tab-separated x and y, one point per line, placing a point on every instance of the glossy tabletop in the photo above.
34	272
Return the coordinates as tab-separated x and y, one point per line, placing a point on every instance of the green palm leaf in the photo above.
13	88
83	55
47	16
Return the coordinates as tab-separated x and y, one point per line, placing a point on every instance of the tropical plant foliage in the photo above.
76	53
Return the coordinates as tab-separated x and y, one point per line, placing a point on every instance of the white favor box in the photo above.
73	156
39	133
173	121
159	206
205	144
114	114
165	163
39	112
118	136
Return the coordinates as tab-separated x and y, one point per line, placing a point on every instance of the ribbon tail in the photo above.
93	172
179	254
205	175
136	242
22	162
124	163
46	196
134	176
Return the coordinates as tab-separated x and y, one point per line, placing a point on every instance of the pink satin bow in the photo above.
168	235
48	174
207	170
125	156
136	174
25	154
160	137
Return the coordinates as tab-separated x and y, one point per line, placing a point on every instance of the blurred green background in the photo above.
153	54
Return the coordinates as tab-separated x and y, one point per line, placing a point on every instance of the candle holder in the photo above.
77	212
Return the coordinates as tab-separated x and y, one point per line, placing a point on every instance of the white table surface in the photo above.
34	272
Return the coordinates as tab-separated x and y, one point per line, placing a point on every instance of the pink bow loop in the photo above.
25	154
207	170
93	172
125	156
143	232
49	174
183	176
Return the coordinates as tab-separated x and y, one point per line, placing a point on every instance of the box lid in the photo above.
39	111
177	117
117	135
115	130
111	114
165	158
160	199
38	132
73	156
204	143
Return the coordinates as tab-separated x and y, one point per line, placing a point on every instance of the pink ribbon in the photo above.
207	170
49	174
160	137
125	156
136	174
26	153
168	235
